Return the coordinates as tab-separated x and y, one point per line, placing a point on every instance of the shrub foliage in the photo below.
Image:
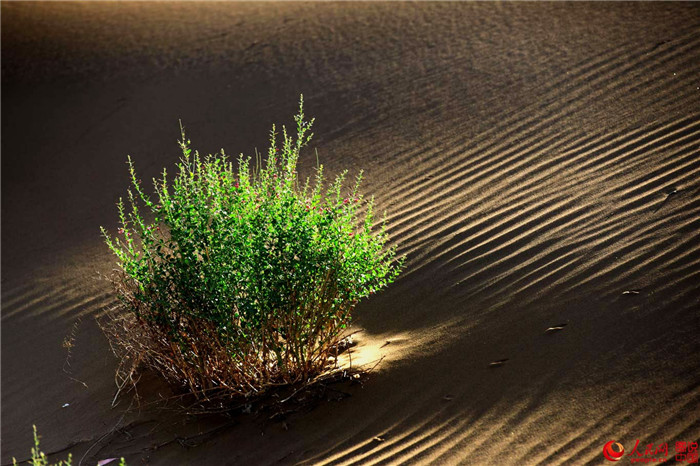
234	279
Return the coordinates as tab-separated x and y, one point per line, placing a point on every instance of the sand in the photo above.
536	161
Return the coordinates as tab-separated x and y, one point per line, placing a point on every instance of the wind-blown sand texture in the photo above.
539	163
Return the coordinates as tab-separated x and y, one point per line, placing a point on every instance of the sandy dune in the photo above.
539	164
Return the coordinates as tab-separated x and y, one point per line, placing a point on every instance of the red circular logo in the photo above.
612	455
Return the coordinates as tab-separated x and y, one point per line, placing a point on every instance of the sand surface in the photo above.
536	161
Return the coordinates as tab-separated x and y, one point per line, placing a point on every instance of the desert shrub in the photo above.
235	279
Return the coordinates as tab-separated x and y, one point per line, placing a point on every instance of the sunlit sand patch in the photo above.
378	351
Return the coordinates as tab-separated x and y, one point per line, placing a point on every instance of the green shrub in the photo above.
238	280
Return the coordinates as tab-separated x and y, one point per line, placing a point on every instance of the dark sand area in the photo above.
536	161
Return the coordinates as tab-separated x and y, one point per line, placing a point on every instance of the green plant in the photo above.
234	281
39	458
